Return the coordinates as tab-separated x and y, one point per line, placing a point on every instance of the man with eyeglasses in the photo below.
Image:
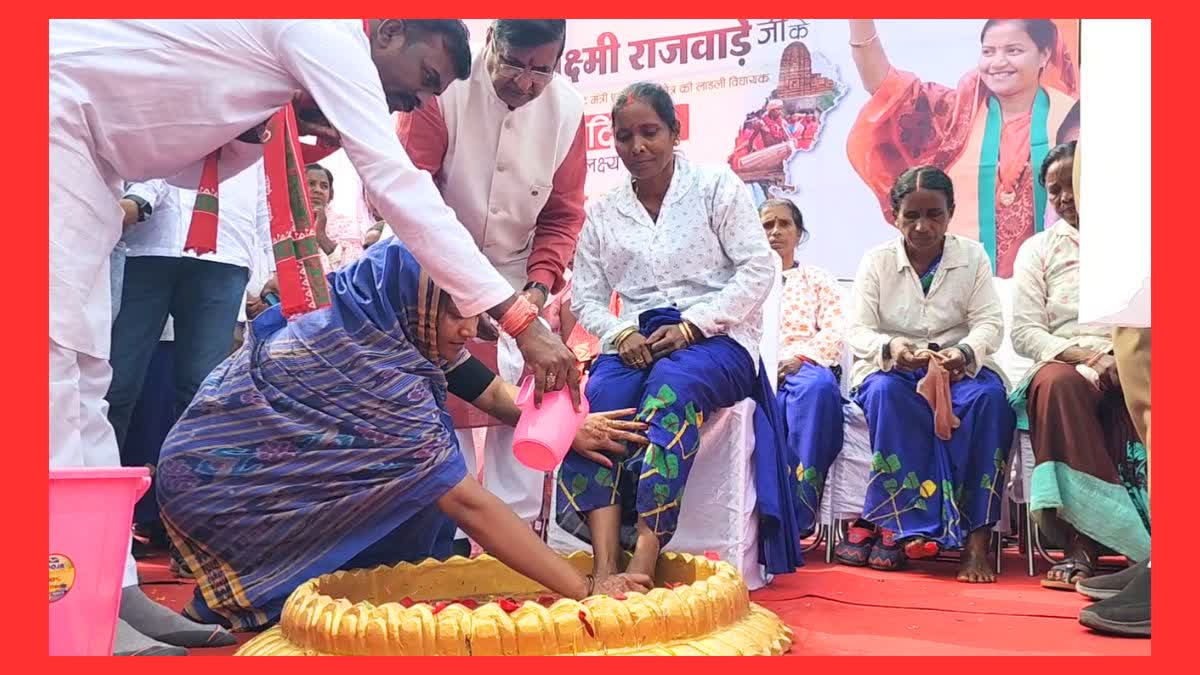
507	149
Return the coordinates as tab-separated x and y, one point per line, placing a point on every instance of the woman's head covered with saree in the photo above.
389	290
351	398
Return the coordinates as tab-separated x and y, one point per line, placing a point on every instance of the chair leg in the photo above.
1027	526
999	538
818	537
831	527
1037	544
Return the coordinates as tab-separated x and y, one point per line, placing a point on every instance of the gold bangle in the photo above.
687	333
623	335
864	43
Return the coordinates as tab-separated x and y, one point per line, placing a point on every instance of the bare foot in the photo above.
605	524
976	566
645	552
617	585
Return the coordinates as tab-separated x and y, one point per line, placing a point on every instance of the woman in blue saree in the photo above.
929	295
682	247
324	443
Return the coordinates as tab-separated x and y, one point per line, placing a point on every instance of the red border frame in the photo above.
24	394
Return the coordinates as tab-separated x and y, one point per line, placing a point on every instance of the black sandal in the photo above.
1074	567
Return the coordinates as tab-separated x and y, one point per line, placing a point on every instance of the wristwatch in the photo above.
539	286
145	210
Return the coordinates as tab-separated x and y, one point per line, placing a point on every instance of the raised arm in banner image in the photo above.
989	133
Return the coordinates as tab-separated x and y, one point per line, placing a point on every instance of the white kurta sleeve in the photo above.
591	291
863	335
261	265
985	317
153	191
335	67
740	233
1031	334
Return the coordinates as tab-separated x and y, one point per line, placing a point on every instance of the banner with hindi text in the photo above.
785	104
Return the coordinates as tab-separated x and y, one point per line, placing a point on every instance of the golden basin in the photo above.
480	607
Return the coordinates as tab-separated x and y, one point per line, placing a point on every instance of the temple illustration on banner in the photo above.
789	121
799	87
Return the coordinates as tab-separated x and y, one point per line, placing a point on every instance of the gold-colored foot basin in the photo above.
480	607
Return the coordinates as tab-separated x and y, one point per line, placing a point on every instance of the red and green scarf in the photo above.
301	275
302	283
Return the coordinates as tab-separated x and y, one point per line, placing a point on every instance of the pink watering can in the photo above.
543	436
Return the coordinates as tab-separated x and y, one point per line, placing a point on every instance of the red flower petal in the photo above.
618	596
468	603
509	605
442	604
547	600
712	555
587	625
406	601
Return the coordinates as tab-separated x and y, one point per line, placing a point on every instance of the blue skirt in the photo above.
674	396
811	402
921	485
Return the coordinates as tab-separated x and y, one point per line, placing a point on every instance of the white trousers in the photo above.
80	434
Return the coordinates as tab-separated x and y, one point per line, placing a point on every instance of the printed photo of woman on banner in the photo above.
989	133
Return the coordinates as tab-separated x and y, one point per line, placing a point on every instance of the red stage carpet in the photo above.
843	610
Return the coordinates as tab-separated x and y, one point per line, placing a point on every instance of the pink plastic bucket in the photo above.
91	512
543	435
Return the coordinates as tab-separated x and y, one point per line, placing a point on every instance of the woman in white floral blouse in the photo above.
811	345
1091	468
681	246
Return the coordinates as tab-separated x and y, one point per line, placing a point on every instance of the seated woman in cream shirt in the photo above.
929	295
1090	473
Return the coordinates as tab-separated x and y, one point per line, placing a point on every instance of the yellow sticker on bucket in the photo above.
62	576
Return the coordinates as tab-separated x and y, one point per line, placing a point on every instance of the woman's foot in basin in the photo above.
645	552
605	526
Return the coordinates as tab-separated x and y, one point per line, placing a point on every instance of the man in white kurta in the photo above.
141	99
507	148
